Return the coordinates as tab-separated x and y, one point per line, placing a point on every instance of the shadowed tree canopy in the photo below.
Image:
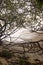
19	13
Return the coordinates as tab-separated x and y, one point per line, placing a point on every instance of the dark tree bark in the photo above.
2	28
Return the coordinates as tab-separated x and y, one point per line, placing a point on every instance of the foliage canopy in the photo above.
17	13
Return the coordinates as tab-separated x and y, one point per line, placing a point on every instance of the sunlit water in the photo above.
23	35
